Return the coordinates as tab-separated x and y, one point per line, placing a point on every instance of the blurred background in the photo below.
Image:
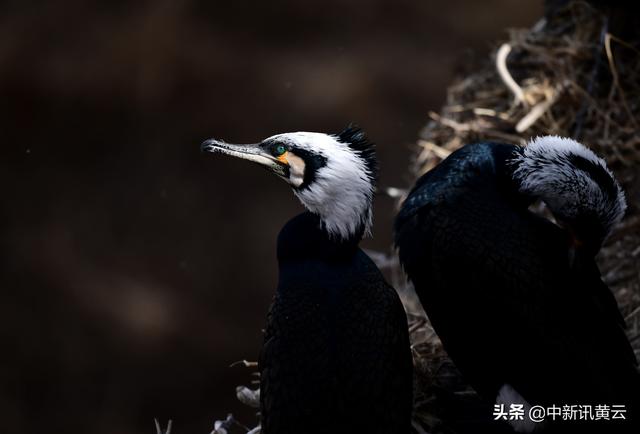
134	269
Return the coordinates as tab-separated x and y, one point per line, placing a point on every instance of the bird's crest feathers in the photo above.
355	138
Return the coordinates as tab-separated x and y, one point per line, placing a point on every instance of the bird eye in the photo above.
280	149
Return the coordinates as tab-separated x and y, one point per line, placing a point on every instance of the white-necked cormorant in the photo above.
336	355
517	300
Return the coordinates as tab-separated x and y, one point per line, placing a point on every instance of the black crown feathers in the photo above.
354	137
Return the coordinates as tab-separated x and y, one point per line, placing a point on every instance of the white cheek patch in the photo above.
296	169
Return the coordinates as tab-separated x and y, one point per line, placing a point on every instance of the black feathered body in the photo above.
501	292
336	355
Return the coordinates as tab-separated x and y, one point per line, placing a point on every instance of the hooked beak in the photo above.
252	152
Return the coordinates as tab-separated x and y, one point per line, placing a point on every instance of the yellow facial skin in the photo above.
283	158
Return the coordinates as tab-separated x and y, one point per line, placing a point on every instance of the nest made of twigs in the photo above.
568	76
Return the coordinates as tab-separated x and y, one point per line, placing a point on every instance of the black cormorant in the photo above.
517	300
336	355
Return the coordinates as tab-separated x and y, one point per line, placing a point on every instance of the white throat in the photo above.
343	217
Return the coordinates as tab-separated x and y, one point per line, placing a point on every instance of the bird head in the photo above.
577	186
332	175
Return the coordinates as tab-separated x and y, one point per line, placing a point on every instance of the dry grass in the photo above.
567	76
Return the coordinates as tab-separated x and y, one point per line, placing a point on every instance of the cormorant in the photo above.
336	355
517	300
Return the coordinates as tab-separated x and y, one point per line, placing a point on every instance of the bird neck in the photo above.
304	237
344	208
503	171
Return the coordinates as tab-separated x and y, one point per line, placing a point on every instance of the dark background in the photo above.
134	269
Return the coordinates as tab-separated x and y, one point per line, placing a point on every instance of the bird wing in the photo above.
497	285
336	342
292	364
